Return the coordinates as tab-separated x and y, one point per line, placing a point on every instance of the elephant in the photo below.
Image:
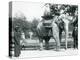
45	33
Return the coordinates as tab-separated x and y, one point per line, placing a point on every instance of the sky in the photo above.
30	10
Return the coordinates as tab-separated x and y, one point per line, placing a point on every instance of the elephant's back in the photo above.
42	30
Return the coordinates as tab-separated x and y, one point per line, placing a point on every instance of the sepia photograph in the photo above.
42	29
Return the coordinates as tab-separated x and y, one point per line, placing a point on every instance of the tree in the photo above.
34	25
22	22
67	8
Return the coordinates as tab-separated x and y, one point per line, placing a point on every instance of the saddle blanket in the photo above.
47	23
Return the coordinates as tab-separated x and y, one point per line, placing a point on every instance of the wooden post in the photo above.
66	38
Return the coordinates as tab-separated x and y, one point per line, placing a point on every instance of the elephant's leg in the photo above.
55	31
41	44
57	43
60	35
47	43
74	42
56	38
77	42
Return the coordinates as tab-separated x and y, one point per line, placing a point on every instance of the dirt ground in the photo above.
47	53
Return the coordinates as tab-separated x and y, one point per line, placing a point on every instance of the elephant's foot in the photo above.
41	49
47	48
58	49
65	48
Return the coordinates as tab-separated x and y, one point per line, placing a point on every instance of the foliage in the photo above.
34	26
67	8
22	23
25	25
